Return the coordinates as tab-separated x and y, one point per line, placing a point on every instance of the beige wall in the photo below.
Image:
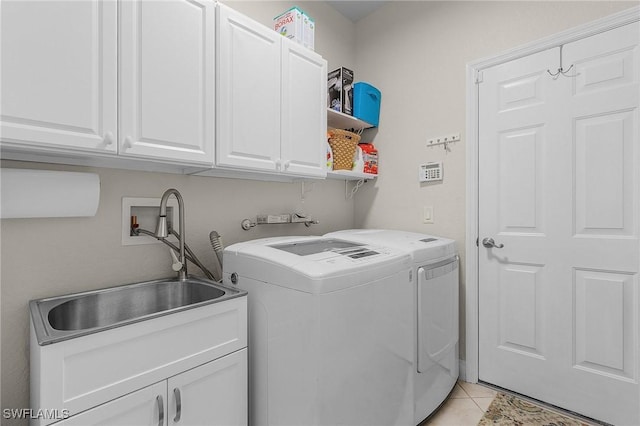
415	52
47	257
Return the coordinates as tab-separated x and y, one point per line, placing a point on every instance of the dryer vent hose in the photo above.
218	248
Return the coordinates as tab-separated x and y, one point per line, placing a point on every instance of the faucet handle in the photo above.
176	265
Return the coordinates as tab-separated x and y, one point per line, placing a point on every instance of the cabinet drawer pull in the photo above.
160	410
176	393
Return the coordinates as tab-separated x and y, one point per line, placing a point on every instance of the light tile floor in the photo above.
467	404
464	407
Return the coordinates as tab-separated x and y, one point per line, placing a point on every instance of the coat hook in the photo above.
561	69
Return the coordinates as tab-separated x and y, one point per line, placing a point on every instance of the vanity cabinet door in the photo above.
212	394
146	407
59	75
167	83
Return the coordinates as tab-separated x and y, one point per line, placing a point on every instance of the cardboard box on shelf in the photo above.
297	26
370	158
340	90
308	31
290	24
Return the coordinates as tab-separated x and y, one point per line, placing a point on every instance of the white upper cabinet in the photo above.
59	74
304	111
248	74
167	85
174	83
134	77
271	100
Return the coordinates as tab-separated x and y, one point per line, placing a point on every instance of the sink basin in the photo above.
67	317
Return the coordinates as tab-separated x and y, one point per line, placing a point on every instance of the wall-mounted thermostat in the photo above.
430	172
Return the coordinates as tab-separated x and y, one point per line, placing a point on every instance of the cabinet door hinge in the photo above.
478	77
478	242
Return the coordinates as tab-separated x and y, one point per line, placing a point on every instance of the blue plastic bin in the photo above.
366	103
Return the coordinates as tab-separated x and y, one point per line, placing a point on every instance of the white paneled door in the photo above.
559	190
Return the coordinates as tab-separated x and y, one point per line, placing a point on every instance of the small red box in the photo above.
370	158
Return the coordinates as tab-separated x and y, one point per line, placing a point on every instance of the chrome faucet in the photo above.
162	230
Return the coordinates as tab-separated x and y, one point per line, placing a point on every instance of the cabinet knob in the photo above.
287	164
278	165
107	140
127	144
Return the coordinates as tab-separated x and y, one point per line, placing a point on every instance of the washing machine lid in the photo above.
313	264
315	246
423	248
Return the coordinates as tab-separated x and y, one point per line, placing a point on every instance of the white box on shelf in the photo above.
308	31
290	24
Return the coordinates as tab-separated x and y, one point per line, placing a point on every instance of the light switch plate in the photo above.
427	214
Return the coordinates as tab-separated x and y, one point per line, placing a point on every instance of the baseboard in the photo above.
462	374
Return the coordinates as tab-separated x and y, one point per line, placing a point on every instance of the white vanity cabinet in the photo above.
107	80
125	375
145	407
271	100
212	394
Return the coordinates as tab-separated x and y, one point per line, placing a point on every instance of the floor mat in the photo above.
508	410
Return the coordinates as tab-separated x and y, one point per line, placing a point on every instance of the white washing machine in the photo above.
435	289
329	331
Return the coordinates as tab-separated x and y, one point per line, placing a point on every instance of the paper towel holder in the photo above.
31	193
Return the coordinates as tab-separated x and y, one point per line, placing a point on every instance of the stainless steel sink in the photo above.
66	317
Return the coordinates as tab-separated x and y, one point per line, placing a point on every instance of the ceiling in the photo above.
356	10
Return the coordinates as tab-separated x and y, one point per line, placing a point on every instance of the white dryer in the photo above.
329	331
435	291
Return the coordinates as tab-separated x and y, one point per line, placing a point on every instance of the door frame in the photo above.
469	369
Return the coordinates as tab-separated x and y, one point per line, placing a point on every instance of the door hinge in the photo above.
478	77
477	241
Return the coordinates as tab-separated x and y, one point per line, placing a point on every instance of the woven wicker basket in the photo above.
343	145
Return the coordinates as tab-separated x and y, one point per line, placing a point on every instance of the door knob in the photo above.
489	243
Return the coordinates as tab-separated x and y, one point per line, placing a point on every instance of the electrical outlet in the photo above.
427	214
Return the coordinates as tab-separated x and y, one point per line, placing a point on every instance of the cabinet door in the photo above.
147	406
212	394
248	73
59	74
167	85
304	111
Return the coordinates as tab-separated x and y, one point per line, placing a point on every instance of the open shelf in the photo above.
339	120
349	175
